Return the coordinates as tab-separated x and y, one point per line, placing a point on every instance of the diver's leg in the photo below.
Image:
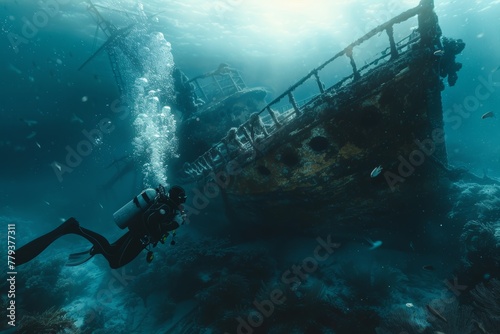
118	254
125	250
32	249
101	244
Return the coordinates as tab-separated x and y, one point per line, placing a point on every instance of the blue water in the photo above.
48	107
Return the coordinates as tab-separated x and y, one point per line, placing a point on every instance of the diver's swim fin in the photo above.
33	248
79	258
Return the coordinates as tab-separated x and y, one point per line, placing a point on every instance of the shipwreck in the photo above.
367	144
312	163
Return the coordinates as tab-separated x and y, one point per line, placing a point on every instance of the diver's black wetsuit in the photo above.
142	233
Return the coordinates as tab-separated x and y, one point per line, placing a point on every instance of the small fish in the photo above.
47	203
76	119
29	122
37	144
489	114
429	267
62	220
15	69
31	135
56	165
373	244
434	312
439	53
376	171
101	206
409	305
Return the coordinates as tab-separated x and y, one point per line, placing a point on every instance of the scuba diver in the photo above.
149	218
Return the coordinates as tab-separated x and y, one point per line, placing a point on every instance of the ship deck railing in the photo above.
243	144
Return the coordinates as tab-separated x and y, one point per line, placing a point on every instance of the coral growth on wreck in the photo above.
51	321
476	214
476	201
481	242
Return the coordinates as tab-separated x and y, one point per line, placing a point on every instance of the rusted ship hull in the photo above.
322	170
312	165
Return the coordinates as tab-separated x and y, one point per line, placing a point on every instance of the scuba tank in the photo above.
137	206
